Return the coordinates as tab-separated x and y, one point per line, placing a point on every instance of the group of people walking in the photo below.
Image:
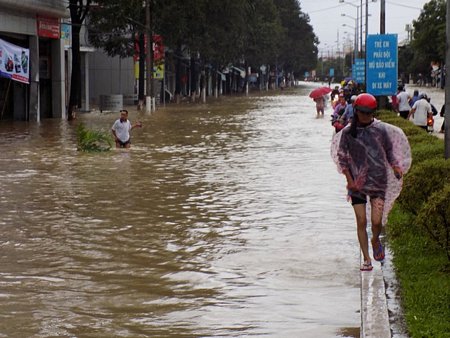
417	108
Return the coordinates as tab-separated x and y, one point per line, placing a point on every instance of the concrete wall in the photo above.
11	22
109	75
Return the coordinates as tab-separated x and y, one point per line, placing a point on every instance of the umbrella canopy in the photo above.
318	92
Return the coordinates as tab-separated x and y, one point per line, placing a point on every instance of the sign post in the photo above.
382	64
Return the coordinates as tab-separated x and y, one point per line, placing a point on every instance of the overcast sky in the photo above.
327	21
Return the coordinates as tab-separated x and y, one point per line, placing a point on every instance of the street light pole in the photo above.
358	29
356	34
447	87
383	99
361	29
383	17
367	28
149	59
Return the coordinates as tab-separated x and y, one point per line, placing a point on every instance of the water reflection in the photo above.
225	219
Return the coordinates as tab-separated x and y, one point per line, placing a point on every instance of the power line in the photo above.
402	5
325	9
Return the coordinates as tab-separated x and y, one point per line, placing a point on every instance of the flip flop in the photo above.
378	254
367	266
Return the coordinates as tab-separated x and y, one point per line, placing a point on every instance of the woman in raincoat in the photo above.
373	156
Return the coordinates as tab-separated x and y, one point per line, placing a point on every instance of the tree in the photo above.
405	60
298	52
113	25
429	37
78	11
264	34
213	33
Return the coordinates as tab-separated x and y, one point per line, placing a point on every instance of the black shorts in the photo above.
123	144
404	113
359	198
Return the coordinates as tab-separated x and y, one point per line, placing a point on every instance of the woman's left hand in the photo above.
398	172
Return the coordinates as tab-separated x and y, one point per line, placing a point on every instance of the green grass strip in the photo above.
422	268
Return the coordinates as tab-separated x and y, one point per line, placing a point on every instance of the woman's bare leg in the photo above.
377	206
361	225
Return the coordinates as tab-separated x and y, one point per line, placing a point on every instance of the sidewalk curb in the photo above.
374	309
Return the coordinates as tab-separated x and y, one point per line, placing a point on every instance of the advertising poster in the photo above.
14	62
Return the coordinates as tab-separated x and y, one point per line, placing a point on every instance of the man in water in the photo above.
121	130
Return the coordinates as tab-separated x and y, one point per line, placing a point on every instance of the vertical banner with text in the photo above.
359	70
382	64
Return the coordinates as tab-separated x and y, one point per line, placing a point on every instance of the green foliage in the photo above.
265	33
423	274
420	137
429	31
419	220
405	57
427	150
298	51
113	24
220	31
408	128
415	133
93	140
422	180
435	218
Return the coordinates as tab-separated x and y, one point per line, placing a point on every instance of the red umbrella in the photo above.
318	92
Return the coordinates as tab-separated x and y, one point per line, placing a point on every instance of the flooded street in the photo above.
223	220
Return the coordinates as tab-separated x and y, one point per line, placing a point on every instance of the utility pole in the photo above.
383	99
361	29
447	86
149	59
367	27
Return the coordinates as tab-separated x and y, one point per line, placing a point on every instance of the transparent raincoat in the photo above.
370	158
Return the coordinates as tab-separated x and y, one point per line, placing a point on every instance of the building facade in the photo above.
33	27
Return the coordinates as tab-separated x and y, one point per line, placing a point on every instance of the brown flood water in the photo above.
223	220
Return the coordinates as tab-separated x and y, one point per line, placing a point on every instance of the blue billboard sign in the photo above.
359	70
382	64
331	72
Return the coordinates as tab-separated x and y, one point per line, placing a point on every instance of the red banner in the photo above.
158	48
48	27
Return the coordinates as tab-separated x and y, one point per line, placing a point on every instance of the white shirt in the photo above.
403	104
422	108
122	130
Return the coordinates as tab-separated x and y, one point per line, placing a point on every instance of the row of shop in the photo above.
32	68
